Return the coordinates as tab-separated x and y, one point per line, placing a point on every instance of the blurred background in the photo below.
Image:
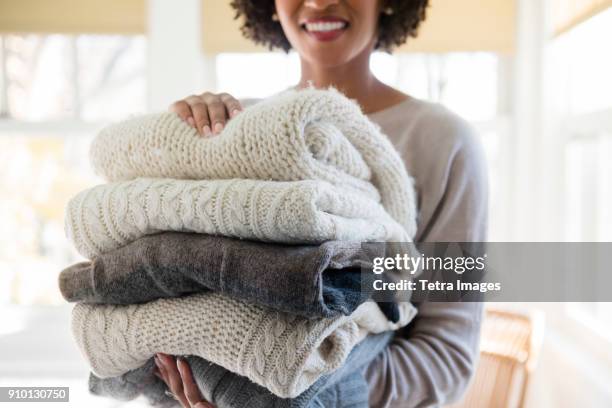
533	76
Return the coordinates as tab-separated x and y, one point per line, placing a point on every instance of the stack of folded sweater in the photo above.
240	251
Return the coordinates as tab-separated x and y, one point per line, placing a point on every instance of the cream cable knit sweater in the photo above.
284	353
109	216
296	135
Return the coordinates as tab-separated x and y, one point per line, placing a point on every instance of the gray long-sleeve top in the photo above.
432	360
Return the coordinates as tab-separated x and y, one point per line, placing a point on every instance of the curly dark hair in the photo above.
393	29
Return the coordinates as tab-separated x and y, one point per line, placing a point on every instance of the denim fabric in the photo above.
346	387
313	281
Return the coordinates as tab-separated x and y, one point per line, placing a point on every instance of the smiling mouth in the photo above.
325	29
324	26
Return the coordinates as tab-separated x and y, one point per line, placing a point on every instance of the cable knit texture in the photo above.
282	352
295	135
110	216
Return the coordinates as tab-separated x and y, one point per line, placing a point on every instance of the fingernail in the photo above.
235	112
206	130
191	121
218	127
180	367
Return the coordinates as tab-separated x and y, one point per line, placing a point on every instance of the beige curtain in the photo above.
567	14
73	16
466	25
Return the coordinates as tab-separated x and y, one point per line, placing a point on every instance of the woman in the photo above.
431	361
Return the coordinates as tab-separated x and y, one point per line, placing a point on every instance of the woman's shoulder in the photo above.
416	121
431	139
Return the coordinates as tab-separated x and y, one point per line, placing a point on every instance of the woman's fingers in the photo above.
207	113
232	106
160	373
173	378
176	373
200	113
163	374
218	115
189	385
182	109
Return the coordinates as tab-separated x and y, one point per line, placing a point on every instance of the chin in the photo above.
328	58
330	54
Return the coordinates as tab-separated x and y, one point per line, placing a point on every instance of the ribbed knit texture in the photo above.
296	135
281	352
110	216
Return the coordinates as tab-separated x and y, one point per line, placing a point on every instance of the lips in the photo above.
325	28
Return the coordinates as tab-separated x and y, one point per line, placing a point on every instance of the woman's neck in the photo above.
355	80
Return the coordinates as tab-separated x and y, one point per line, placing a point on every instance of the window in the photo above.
56	90
72	77
582	101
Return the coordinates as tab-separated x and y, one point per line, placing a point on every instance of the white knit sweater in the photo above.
282	352
109	216
296	135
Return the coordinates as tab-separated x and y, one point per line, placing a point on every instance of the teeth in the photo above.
325	26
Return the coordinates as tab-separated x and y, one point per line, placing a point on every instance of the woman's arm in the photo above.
432	360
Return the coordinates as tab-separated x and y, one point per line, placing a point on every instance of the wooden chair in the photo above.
510	344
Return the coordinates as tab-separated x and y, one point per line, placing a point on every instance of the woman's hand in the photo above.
177	376
208	112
